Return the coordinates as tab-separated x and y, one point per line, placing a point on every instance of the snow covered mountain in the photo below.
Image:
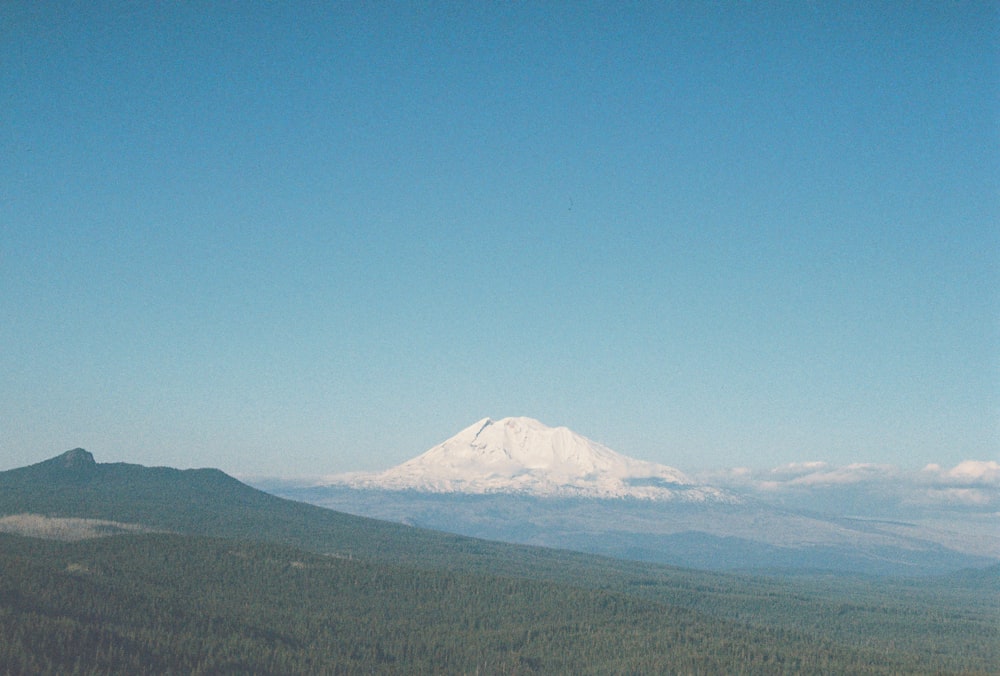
517	480
521	455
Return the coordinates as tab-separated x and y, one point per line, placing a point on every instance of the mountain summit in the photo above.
521	455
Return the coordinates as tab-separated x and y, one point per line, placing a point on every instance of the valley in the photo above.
748	537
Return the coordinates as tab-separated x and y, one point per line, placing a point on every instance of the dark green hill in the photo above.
206	502
167	603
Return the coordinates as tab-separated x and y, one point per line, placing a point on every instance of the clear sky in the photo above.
305	238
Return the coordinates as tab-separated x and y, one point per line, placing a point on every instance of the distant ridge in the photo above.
73	465
522	455
74	460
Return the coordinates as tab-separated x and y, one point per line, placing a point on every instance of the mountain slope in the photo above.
209	502
185	604
521	455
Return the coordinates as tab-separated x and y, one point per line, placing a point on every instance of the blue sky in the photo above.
293	238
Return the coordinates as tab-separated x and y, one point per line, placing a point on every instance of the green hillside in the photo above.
247	582
209	502
156	603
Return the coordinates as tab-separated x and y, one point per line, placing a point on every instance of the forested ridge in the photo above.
168	603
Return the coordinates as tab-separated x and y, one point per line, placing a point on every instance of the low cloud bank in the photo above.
971	485
983	472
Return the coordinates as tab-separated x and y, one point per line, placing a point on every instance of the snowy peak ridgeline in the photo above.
521	455
514	446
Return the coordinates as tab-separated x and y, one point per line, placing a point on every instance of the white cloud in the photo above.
851	474
860	487
813	473
800	467
986	472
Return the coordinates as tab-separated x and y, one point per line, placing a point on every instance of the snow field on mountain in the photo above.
522	455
